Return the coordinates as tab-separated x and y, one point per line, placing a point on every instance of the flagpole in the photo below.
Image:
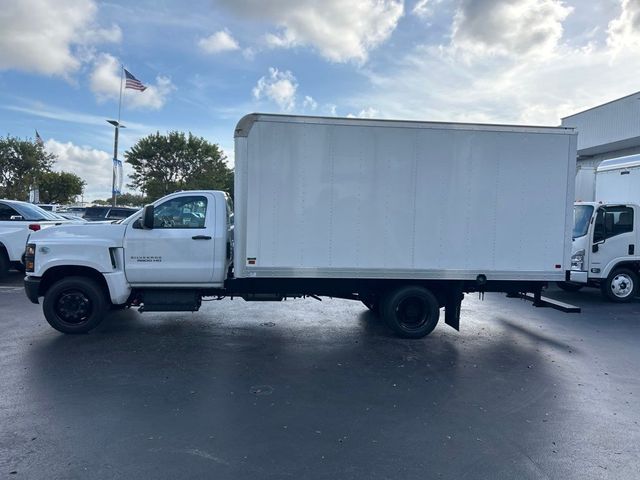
115	143
121	80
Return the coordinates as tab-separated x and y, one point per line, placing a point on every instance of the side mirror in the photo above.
594	248
147	217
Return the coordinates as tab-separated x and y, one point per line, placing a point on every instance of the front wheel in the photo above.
620	286
75	305
411	311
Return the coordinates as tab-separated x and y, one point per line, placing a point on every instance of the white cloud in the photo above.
90	164
283	40
434	83
624	31
218	42
309	103
47	37
368	112
516	27
341	31
331	109
105	84
424	8
279	87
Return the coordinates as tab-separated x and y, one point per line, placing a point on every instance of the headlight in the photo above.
31	250
577	260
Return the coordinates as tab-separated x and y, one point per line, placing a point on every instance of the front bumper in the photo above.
31	288
578	276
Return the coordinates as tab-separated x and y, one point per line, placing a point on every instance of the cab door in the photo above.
614	238
180	247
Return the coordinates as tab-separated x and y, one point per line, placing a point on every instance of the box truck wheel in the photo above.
411	311
75	305
620	286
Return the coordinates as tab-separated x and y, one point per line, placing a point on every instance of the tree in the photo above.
22	164
127	199
60	187
165	163
132	199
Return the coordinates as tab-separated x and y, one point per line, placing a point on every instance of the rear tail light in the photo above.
34	227
30	257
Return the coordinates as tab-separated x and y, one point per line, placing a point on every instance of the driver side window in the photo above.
183	212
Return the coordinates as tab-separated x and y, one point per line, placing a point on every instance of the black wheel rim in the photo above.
73	307
412	313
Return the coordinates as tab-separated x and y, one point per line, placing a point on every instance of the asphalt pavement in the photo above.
322	390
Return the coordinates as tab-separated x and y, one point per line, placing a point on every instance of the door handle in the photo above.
201	237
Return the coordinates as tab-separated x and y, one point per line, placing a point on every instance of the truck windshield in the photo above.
581	217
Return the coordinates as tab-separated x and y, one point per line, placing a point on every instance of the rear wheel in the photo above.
75	305
569	287
411	312
620	286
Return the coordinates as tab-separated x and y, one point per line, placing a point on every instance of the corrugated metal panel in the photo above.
613	125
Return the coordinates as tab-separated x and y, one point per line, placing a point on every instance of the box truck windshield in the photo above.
581	216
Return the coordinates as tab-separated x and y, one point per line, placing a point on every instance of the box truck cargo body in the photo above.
372	198
403	216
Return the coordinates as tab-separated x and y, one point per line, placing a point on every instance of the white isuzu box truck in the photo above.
605	236
403	216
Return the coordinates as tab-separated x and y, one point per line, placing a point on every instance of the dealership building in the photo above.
607	131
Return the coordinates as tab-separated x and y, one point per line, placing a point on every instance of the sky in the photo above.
208	63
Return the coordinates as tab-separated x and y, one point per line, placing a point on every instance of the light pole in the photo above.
117	126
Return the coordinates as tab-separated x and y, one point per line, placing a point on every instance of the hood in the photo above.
110	234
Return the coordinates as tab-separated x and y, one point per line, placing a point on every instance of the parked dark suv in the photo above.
94	214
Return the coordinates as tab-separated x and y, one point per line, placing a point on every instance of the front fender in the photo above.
615	263
97	257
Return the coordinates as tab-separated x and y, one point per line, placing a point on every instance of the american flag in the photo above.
133	82
39	139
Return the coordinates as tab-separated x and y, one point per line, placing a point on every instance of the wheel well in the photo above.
3	250
58	273
634	266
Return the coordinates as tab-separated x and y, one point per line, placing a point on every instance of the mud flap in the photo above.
453	306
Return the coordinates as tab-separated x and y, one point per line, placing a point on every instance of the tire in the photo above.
75	305
19	266
620	286
569	287
411	311
4	264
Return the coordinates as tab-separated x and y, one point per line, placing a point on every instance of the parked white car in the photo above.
17	221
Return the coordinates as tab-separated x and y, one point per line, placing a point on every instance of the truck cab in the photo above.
166	257
604	249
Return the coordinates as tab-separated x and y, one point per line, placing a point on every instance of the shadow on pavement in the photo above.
181	396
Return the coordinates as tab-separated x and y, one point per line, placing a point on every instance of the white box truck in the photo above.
403	216
605	236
